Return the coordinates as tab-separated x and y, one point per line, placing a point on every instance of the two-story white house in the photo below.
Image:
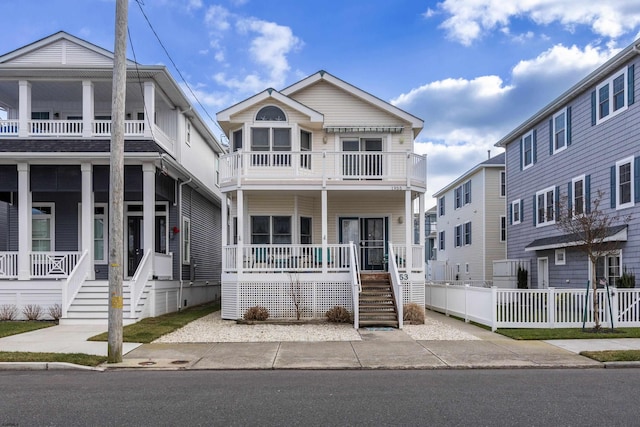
320	183
471	226
577	156
55	130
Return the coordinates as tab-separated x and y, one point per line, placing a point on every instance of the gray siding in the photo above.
4	226
593	151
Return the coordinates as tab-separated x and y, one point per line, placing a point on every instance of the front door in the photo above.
134	243
370	236
543	273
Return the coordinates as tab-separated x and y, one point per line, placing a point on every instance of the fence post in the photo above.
615	307
466	311
551	307
446	299
494	308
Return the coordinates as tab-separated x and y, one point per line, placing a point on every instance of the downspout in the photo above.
180	185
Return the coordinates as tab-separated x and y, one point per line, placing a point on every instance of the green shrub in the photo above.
413	314
256	313
627	280
338	314
523	276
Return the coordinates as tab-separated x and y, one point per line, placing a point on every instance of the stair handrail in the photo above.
74	282
356	285
139	281
397	284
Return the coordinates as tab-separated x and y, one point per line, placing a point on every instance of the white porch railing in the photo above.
535	308
417	257
8	265
74	282
309	165
131	127
163	265
139	281
356	286
397	285
55	127
294	258
9	127
52	265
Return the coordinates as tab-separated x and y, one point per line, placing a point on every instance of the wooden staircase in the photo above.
91	305
377	303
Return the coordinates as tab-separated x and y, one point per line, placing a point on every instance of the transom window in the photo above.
270	113
612	96
624	174
545	207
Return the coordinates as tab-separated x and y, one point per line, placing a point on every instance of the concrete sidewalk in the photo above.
380	348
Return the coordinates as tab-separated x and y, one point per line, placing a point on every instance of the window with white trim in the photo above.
624	183
458	236
441	206
466	268
545	206
457	193
268	141
609	268
42	227
236	140
515	212
100	224
186	240
503	228
612	96
560	131
467	233
578	195
270	229
188	133
560	256
441	240
503	184
527	150
466	189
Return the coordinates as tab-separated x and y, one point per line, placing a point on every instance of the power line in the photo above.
140	3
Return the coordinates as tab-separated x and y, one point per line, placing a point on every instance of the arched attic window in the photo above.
271	113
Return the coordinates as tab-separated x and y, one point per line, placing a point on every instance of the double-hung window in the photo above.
609	268
441	240
457	194
578	196
612	95
560	131
458	236
625	184
271	145
467	233
528	149
515	212
441	206
503	184
545	206
503	228
466	188
186	240
270	229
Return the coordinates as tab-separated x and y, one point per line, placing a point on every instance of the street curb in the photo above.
46	366
614	365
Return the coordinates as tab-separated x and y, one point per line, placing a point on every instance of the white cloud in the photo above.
470	19
465	117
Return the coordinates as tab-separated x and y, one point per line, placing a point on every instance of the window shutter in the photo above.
510	213
534	210
587	194
556	208
569	199
630	84
535	147
568	126
521	210
551	137
636	179
593	108
613	187
520	153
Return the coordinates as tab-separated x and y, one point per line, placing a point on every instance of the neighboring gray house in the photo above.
55	130
583	142
471	223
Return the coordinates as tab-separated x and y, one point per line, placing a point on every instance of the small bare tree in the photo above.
296	293
589	227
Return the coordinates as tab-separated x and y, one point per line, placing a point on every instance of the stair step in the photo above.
391	323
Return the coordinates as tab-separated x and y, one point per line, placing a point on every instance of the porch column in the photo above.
24	108
24	222
421	230
408	228
149	208
240	220
87	216
324	230
149	108
225	229
88	107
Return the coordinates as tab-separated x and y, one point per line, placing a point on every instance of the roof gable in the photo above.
416	123
225	115
59	50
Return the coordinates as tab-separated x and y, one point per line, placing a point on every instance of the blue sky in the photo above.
471	69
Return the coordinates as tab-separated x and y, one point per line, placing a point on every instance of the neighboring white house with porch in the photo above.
313	168
55	130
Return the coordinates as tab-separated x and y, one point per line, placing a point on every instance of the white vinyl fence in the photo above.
534	308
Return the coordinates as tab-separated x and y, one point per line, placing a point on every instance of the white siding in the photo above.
62	52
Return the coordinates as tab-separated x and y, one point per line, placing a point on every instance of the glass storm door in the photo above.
134	243
373	243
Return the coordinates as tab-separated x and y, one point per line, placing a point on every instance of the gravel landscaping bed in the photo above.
212	328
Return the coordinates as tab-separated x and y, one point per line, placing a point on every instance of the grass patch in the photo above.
569	333
613	355
14	327
152	328
76	358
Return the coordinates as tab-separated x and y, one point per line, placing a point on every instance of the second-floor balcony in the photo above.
69	128
401	169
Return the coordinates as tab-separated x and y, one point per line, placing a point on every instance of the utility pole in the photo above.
116	193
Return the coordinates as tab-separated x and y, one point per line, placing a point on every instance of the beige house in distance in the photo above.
319	185
471	224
